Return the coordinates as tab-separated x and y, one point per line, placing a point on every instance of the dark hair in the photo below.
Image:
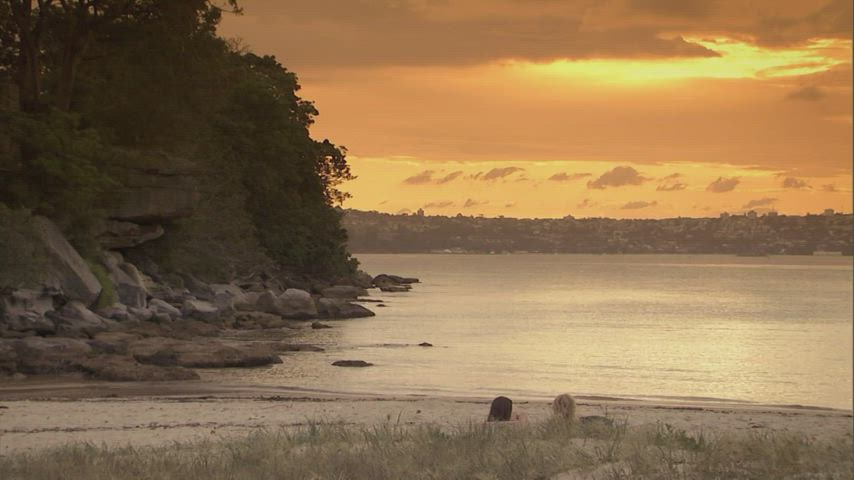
500	410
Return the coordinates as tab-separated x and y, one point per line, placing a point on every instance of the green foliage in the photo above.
22	260
153	75
108	295
61	172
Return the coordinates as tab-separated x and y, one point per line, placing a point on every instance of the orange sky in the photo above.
543	108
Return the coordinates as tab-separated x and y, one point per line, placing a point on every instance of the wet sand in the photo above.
43	413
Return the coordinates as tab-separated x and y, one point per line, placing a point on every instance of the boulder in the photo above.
38	355
75	320
395	288
160	307
189	328
293	304
319	326
142	314
344	291
117	312
66	269
200	310
248	301
169	352
390	280
24	311
254	320
129	283
112	342
118	235
225	296
118	368
8	357
340	308
352	363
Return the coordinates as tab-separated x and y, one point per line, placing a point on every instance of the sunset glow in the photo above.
684	96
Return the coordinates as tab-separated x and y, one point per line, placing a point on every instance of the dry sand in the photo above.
44	413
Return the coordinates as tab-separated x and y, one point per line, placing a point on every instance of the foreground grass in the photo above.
606	450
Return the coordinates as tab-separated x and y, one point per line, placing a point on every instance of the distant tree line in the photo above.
375	232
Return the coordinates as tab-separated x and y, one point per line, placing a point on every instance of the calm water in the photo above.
770	330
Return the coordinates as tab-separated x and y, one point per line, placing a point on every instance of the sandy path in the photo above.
46	414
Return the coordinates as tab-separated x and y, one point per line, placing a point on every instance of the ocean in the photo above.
770	330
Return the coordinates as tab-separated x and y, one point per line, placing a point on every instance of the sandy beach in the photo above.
44	413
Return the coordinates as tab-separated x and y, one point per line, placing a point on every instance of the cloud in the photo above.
829	187
617	177
497	173
671	187
568	177
587	203
449	177
405	32
638	204
762	202
426	177
421	178
442	204
722	185
474	203
510	205
792	182
807	94
675	8
668	183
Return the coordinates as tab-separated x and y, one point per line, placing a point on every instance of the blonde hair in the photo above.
563	406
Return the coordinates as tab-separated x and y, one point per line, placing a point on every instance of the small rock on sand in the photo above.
351	363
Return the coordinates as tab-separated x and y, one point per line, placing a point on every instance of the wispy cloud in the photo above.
761	202
723	184
617	177
796	183
568	177
638	204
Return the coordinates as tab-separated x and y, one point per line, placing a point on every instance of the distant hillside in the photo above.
751	234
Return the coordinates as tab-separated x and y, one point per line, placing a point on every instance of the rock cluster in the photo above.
128	324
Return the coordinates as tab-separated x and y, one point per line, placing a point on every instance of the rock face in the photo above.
37	355
75	320
167	352
158	188
201	310
117	235
158	306
67	270
339	308
344	291
293	304
24	311
129	282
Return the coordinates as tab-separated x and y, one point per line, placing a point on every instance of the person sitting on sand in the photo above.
563	407
501	410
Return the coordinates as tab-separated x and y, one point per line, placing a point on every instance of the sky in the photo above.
548	108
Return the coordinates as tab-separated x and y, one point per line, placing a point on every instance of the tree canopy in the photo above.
102	80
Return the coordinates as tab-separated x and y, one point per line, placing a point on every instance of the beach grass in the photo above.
606	449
